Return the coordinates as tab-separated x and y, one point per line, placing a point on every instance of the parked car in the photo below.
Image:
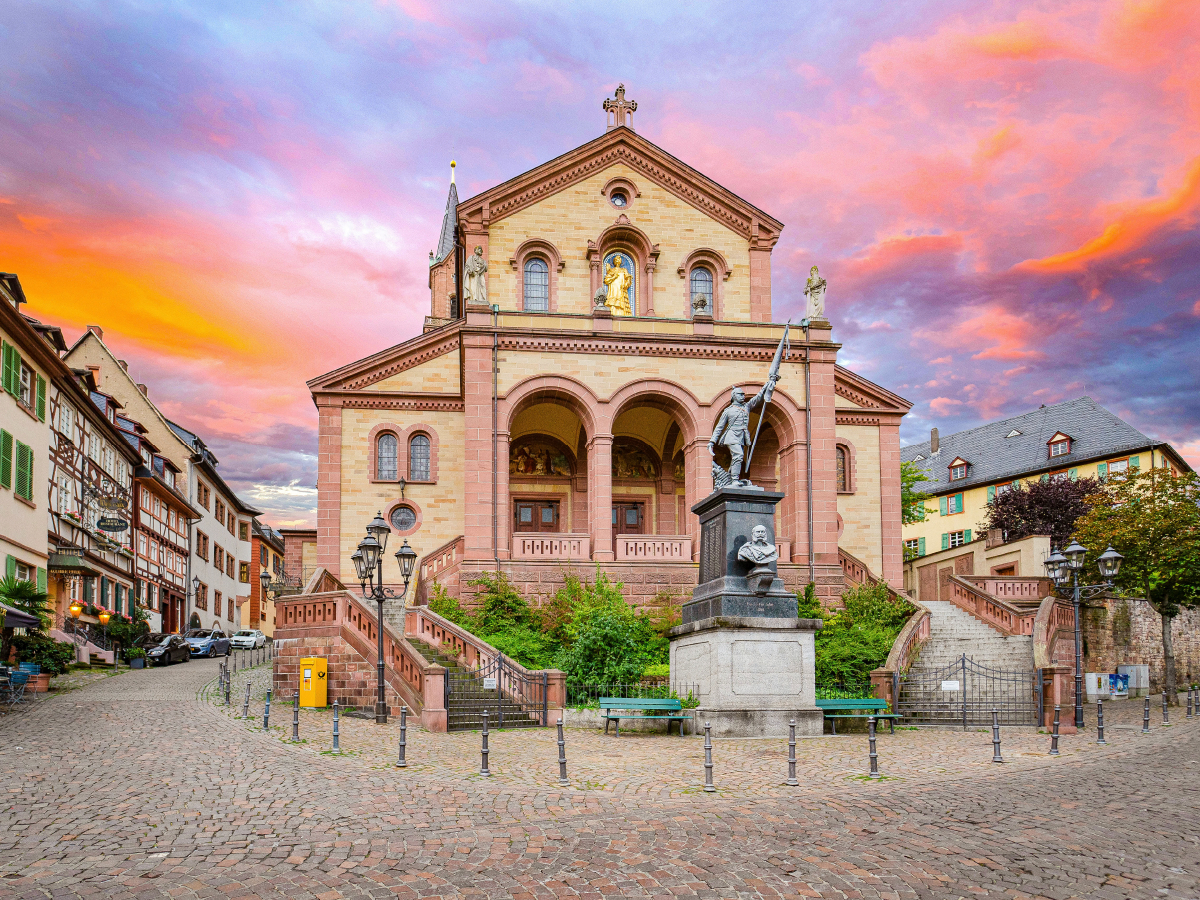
208	642
164	649
248	640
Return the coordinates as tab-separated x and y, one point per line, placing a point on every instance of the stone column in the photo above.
477	452
329	483
791	462
600	496
503	511
698	481
890	514
434	715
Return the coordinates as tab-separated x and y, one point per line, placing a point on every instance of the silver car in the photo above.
248	640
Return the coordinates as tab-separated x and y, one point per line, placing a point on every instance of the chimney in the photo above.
124	365
97	331
142	388
933	440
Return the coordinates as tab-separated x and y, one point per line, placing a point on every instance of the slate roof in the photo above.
446	240
1095	434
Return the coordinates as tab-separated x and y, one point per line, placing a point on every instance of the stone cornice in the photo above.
425	402
621	145
882	417
386	363
647	345
867	394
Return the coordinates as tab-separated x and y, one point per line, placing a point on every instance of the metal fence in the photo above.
964	693
511	697
844	690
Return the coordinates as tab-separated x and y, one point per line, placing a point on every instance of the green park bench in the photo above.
671	710
857	708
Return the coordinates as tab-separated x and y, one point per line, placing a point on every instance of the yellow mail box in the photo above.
313	681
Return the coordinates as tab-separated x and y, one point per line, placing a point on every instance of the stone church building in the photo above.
553	416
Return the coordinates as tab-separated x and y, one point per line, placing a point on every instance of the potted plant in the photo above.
136	657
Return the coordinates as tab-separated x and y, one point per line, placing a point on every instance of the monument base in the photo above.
752	674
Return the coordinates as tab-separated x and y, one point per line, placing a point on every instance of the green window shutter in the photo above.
942	505
1135	462
24	485
6	450
41	579
991	492
10	566
966	535
920	546
41	398
1102	470
1045	477
1073	474
6	354
946	541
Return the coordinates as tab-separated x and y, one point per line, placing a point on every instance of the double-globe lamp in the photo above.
368	563
1063	566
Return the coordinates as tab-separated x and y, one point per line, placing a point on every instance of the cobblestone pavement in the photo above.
142	786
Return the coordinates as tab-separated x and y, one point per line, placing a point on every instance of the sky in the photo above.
1004	196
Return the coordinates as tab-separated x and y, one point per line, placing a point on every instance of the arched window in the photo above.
418	458
702	283
841	470
385	457
537	285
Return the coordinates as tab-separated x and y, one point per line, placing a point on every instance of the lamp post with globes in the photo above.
1064	566
368	563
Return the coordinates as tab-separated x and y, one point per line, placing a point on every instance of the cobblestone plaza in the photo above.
142	785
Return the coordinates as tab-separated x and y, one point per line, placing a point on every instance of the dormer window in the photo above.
958	469
1060	445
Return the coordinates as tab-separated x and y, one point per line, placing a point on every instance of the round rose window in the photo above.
403	518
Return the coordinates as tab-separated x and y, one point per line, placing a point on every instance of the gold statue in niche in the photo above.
618	279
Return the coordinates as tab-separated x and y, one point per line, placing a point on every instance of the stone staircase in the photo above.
467	703
954	632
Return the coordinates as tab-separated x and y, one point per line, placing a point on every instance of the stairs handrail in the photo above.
424	624
999	614
1055	617
907	646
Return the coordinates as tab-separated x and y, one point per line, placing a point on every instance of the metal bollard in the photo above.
708	763
562	756
1054	734
267	711
996	757
1100	722
1146	718
871	742
246	705
401	763
336	733
483	769
1166	720
1189	703
296	718
791	779
233	661
228	685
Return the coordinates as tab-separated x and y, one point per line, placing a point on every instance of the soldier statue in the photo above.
733	431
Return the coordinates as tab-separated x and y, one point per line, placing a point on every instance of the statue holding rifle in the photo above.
733	428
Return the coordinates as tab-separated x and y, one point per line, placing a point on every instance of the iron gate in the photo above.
512	698
965	693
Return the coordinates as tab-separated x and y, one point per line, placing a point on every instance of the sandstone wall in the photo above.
1129	632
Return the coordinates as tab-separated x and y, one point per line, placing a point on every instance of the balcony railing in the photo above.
654	548
560	547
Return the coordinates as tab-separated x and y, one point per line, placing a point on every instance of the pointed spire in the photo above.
446	240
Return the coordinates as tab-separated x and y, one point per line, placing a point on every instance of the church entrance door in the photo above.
535	515
628	518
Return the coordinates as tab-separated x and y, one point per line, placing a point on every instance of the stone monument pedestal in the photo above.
740	643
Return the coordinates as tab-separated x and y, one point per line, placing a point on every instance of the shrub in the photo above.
501	606
448	607
657	672
807	604
609	648
858	638
41	649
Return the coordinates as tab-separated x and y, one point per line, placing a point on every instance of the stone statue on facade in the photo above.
600	298
618	279
700	305
814	290
475	276
733	431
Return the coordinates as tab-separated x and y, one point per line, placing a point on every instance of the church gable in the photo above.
434	356
862	402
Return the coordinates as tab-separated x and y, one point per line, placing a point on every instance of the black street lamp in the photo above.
1065	566
368	563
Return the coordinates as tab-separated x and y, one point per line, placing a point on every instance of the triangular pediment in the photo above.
867	395
364	373
622	146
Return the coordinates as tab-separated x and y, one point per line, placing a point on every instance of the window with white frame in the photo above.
958	538
1060	448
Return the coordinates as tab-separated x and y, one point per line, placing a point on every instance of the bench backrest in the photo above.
19	677
31	668
853	703
628	703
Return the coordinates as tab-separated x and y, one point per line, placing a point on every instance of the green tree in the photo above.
1152	518
912	501
25	596
1042	507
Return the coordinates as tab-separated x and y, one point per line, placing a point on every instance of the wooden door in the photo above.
628	518
535	515
928	589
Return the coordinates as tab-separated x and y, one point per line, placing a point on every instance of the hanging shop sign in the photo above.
111	523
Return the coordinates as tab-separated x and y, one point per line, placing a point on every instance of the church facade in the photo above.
554	415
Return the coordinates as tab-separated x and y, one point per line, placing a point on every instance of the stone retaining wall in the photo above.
1121	631
352	679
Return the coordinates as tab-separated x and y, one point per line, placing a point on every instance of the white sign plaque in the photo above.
950	686
489	684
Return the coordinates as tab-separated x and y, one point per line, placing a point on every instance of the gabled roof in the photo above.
1096	434
623	145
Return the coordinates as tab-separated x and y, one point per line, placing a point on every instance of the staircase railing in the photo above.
441	566
1000	614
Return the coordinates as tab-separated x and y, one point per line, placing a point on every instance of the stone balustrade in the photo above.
549	546
653	548
1012	587
1000	614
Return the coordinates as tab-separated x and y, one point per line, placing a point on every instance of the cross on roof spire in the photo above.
620	111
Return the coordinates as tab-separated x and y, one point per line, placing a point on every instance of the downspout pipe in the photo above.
495	433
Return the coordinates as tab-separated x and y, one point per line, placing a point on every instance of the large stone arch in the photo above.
567	392
665	395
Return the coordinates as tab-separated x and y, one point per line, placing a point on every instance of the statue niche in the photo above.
633	459
538	457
